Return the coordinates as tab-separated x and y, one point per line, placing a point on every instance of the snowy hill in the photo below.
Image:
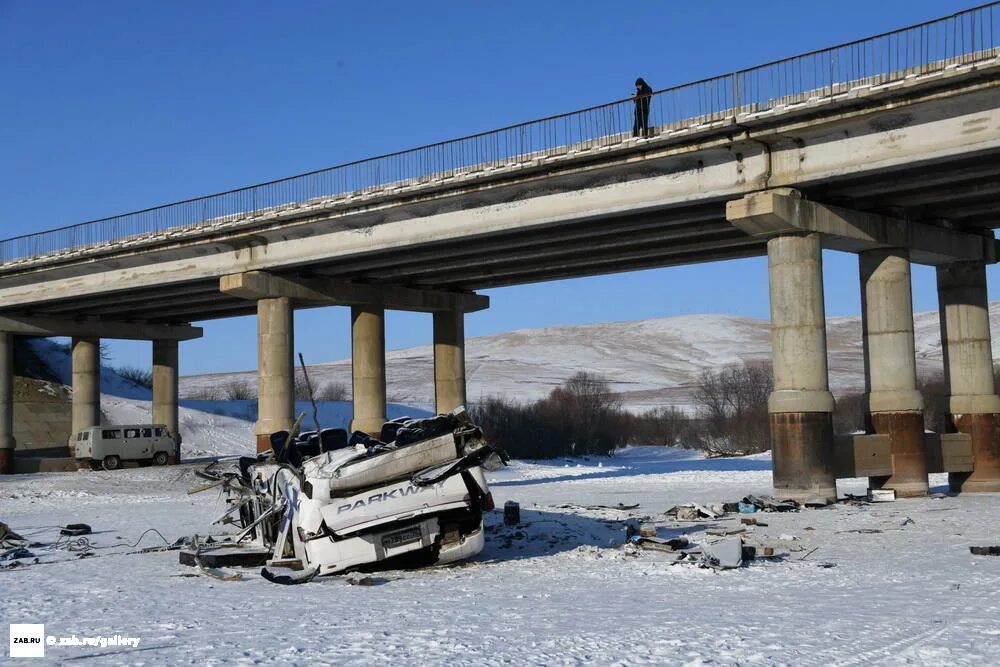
652	363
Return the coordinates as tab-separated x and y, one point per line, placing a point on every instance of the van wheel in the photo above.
111	462
160	459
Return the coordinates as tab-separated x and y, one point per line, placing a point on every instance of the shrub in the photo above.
332	391
237	389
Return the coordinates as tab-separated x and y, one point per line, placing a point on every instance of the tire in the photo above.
160	459
111	462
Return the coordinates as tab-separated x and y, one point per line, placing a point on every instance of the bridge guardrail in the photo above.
959	39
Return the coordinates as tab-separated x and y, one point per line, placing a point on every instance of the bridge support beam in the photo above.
86	387
973	404
894	406
6	403
449	360
801	405
165	390
275	369
368	368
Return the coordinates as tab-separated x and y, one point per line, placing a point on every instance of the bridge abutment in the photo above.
7	441
86	410
275	369
449	360
801	405
973	404
368	368
165	390
894	406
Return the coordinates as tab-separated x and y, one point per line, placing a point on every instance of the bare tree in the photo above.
659	426
142	377
732	406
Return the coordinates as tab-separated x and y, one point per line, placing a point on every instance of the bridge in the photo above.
886	147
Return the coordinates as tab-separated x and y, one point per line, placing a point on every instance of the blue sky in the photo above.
114	106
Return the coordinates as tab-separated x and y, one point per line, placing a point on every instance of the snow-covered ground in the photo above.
557	590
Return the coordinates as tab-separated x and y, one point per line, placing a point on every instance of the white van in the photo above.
108	446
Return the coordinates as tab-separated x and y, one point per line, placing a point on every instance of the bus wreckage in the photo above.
322	503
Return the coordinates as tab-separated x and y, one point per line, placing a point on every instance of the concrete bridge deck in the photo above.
924	147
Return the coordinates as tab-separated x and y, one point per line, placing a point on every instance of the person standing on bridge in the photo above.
641	98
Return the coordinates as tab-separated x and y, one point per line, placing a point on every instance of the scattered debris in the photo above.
985	551
364	580
225	554
751	521
862	531
816	502
882	495
76	529
808	553
293	577
771	504
660	544
620	507
726	531
692	512
906	522
746	508
647	530
511	513
9	539
723	555
15	553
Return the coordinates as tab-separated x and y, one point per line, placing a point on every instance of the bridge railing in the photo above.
962	38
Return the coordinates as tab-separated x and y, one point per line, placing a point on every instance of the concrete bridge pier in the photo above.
6	403
368	368
449	360
801	405
973	404
275	369
165	390
894	406
86	409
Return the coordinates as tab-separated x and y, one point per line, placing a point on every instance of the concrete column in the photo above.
801	405
165	363
86	387
6	403
275	369
894	405
449	360
973	405
368	367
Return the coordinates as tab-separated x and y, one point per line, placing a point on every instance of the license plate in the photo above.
398	539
